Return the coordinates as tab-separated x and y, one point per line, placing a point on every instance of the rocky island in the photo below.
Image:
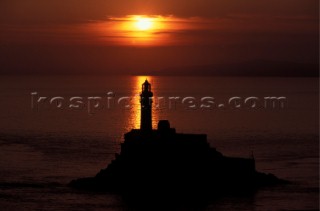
154	162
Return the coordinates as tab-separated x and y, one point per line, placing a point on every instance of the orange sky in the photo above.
55	36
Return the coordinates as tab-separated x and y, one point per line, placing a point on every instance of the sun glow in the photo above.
144	24
140	30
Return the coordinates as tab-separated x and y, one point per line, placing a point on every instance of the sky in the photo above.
101	36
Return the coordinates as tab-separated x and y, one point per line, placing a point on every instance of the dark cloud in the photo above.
62	11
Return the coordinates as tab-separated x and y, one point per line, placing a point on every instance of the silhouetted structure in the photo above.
181	165
146	107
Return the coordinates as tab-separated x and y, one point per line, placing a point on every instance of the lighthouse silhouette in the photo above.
146	107
185	164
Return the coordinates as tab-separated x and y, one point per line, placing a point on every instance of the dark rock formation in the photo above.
157	164
162	160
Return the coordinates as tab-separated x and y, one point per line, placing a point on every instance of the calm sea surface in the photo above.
77	129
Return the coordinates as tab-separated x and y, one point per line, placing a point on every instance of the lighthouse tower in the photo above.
146	107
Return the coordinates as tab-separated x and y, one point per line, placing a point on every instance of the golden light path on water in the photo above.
135	116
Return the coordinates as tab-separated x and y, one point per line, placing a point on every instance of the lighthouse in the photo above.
146	107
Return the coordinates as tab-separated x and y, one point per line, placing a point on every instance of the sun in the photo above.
144	24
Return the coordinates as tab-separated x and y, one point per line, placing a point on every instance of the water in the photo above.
43	149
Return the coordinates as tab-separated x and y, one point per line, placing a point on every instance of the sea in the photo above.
56	128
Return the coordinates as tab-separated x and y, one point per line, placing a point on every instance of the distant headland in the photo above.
254	68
